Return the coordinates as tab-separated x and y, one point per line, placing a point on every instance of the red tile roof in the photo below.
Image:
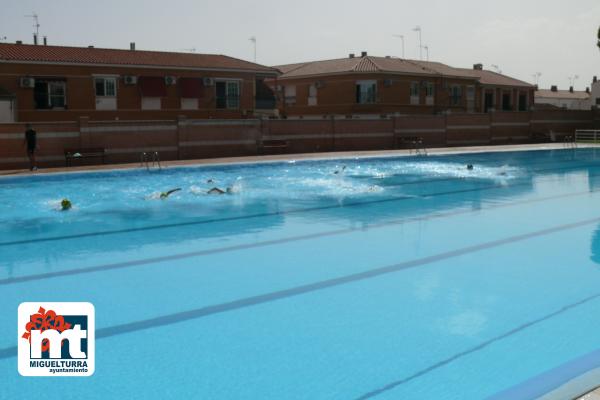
561	94
84	55
394	66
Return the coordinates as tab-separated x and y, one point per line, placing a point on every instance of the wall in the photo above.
81	99
183	138
337	95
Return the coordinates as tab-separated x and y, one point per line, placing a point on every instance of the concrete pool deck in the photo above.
303	156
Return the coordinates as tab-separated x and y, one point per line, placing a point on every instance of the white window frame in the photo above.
289	93
229	103
415	95
105	79
456	100
364	88
312	94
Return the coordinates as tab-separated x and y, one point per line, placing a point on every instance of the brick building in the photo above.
568	99
364	85
57	83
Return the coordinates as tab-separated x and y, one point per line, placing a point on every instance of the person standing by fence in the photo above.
31	143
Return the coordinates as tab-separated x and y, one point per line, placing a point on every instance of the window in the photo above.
366	92
506	102
455	95
312	95
228	94
414	89
106	87
50	94
290	95
522	102
429	89
598	101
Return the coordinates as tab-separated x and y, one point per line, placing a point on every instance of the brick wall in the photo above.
183	138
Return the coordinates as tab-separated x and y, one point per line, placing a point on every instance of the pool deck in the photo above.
302	156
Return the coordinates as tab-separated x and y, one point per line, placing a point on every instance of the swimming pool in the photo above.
383	278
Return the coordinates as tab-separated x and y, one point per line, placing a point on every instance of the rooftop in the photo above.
394	66
27	53
562	94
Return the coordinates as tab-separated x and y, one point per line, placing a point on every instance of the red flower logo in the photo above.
42	321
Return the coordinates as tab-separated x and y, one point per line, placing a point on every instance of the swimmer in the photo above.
65	205
338	171
469	166
164	195
209	181
217	190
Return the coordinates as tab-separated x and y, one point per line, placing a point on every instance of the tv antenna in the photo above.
36	22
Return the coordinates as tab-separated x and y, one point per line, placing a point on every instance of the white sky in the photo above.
522	37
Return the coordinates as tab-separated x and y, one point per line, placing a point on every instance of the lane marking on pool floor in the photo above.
313	287
265	243
293	211
480	346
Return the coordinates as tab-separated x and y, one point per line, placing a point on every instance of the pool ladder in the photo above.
146	158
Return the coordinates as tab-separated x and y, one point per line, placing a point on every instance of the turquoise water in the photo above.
395	278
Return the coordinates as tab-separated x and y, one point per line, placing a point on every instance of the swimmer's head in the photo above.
469	166
65	204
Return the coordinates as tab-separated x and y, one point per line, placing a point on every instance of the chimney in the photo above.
363	54
45	41
595	79
478	67
35	39
90	47
571	89
19	42
132	46
536	88
587	90
351	55
553	88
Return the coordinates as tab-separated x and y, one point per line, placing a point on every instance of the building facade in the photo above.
56	83
565	99
367	85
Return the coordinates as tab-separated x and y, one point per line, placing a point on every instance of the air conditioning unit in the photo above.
130	80
27	82
170	80
208	81
387	82
319	84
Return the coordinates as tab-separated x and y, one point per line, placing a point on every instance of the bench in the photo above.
92	152
273	144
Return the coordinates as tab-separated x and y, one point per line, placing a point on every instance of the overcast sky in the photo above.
521	37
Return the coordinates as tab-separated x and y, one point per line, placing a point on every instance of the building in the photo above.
566	99
367	85
58	83
595	93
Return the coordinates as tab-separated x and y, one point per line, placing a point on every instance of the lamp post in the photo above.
418	29
401	38
253	40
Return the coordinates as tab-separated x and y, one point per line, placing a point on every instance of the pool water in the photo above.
383	278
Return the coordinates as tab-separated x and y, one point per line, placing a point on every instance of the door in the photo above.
489	101
7	111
